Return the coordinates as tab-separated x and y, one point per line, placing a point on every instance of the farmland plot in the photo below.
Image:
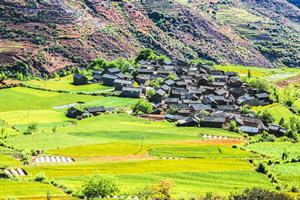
14	188
187	182
276	149
199	151
65	84
141	167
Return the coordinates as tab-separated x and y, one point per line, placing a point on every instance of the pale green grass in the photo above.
187	182
140	167
9	161
277	110
276	149
290	180
65	84
22	189
287	169
24	98
126	128
199	151
278	77
38	116
47	141
106	149
254	71
110	102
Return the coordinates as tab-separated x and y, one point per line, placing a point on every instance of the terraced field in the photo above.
8	161
276	149
66	84
18	189
199	151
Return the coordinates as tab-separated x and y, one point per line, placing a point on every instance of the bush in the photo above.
233	127
171	76
150	94
142	106
164	188
32	127
259	193
100	185
40	177
263	168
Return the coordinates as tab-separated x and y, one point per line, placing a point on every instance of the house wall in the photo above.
108	82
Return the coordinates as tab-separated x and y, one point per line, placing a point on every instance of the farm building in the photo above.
73	112
108	79
78	79
95	110
132	92
119	84
215	122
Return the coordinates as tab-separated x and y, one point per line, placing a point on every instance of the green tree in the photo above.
150	94
267	117
162	58
98	64
260	194
2	77
142	106
31	128
171	76
55	75
154	83
145	54
100	185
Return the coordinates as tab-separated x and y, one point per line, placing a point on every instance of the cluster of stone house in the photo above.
197	88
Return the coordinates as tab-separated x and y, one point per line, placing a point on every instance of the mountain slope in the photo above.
51	34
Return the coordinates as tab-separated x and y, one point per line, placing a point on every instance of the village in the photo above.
191	95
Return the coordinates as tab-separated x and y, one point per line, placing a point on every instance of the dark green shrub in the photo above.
100	185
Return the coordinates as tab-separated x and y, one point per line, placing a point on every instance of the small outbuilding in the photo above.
78	79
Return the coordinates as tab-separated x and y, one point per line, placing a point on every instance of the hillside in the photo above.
49	35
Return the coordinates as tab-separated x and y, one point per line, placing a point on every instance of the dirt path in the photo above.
109	90
287	82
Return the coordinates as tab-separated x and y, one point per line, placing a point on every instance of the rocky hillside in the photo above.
49	35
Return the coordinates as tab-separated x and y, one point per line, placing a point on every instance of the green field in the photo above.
290	179
109	102
187	182
19	189
47	141
38	116
276	149
65	84
277	110
106	149
141	167
9	161
287	169
24	98
199	151
124	127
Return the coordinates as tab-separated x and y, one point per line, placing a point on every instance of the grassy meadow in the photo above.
276	149
287	169
66	84
277	110
19	98
140	167
111	144
199	151
10	188
9	161
186	182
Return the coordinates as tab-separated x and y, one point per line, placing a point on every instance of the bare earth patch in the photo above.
287	82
